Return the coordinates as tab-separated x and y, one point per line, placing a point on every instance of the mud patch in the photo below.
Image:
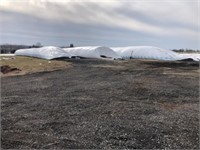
7	69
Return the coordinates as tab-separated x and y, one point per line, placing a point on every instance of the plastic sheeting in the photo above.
48	52
194	56
93	52
146	52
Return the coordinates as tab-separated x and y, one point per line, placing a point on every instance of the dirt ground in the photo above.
98	104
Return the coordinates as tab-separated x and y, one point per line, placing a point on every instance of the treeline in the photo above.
186	50
11	48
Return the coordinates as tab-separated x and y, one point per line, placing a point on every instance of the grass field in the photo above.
31	65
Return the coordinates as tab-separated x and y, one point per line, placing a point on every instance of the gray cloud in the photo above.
156	20
109	22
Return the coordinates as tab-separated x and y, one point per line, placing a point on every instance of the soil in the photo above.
7	69
99	104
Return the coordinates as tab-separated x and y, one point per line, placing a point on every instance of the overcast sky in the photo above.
163	23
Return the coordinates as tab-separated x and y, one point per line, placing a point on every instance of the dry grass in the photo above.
191	73
31	65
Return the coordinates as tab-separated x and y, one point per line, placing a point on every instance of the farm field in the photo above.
99	104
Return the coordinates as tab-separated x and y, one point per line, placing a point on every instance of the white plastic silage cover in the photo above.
93	52
47	52
194	56
146	52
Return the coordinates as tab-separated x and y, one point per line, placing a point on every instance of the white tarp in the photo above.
93	52
194	56
47	52
146	52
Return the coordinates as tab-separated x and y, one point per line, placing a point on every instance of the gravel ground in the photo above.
103	105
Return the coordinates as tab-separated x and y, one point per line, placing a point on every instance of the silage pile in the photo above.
47	52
